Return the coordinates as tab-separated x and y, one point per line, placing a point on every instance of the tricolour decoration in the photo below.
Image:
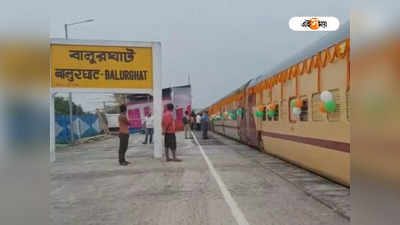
322	108
326	96
321	60
298	103
232	115
271	110
296	112
239	111
329	104
259	114
293	103
271	113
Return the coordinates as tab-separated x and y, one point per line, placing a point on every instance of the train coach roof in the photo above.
237	90
328	40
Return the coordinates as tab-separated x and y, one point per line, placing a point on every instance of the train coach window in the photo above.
265	114
276	116
304	109
335	116
317	115
292	117
268	117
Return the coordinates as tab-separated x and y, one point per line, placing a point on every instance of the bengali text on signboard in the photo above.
84	66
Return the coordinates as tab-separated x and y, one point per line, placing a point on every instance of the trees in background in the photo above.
62	107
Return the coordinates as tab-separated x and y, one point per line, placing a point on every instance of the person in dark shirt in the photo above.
193	120
204	124
123	135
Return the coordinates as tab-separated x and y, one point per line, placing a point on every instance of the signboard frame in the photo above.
155	90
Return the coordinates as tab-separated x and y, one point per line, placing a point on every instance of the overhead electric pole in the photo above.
71	127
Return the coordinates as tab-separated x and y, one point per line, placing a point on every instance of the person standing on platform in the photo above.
123	135
103	122
198	121
204	125
168	126
193	120
149	128
186	124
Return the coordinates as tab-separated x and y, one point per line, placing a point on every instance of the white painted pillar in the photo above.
157	100
52	129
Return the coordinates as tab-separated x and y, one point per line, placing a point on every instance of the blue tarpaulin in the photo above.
84	126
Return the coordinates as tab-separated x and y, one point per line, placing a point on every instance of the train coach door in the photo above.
251	123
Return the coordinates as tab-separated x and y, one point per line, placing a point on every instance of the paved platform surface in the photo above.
89	187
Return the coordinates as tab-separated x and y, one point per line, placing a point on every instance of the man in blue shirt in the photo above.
204	124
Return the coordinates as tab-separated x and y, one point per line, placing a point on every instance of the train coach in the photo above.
299	111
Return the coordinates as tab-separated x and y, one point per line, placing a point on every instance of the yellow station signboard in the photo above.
88	66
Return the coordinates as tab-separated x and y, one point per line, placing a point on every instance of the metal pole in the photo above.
70	117
52	129
66	30
70	100
70	94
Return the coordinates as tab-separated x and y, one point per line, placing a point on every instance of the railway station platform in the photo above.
219	182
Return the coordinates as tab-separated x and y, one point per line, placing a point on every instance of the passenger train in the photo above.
299	111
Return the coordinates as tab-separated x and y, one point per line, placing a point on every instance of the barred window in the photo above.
269	117
335	116
304	109
292	117
317	115
276	116
265	114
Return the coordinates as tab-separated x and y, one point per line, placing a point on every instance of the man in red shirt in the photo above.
123	135
168	126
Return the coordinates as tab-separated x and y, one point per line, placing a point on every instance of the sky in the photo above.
220	44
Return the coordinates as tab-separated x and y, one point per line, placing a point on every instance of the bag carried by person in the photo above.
185	120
